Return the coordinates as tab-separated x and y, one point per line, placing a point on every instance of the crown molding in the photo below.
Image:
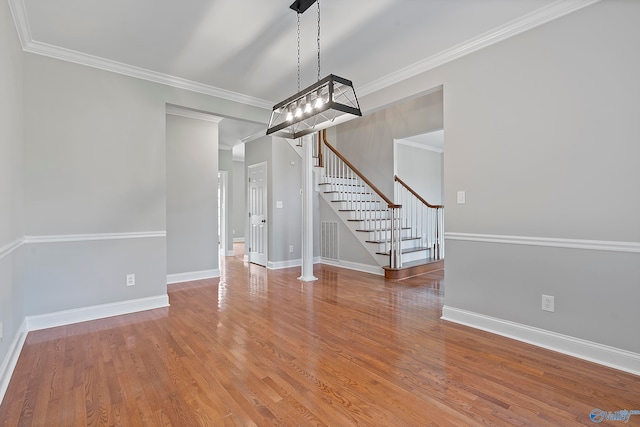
190	114
19	13
525	23
141	73
503	32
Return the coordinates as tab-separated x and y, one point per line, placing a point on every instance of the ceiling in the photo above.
433	140
246	50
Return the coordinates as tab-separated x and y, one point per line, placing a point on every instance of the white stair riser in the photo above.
344	188
364	197
415	256
344	181
367	215
359	206
361	209
373	224
384	234
405	244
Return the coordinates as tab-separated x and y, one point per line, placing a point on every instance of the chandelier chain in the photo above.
318	2
298	52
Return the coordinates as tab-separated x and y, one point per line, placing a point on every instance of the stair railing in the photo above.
424	219
382	218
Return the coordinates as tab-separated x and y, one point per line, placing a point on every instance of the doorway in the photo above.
419	161
257	207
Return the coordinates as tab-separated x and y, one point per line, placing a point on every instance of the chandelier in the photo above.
326	103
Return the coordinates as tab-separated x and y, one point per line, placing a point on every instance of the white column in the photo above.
307	210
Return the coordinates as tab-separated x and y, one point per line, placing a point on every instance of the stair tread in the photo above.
351	184
404	239
347	192
385	229
340	177
357	201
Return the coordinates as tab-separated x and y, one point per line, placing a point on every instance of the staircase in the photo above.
404	240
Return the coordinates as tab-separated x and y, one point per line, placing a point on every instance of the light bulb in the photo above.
319	101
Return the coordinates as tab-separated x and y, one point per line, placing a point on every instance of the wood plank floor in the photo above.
258	347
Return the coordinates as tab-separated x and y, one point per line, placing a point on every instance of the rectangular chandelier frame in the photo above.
326	103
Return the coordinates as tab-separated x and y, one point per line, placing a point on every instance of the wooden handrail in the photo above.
412	191
357	172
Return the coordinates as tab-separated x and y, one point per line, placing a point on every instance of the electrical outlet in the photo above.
1	331
548	303
291	249
131	279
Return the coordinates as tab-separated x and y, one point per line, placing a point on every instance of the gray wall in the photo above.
239	217
192	195
542	133
95	163
286	222
368	142
11	185
284	184
422	170
349	247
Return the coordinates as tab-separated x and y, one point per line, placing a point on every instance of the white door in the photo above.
258	213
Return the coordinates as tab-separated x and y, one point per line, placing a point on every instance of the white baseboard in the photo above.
238	240
366	268
229	253
76	315
10	360
288	264
192	275
598	353
68	317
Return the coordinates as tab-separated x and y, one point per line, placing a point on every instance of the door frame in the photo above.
223	213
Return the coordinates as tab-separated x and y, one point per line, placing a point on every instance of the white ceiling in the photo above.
246	49
434	140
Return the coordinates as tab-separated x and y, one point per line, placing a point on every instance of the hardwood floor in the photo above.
258	347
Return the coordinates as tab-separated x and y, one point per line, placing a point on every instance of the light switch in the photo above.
462	197
279	204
